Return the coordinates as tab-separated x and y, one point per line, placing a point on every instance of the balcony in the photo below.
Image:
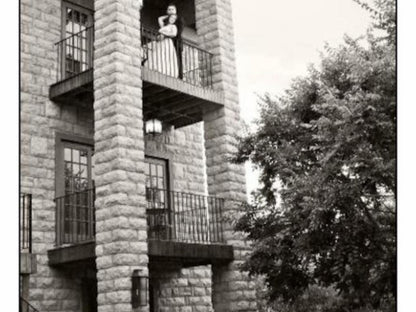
181	226
74	76
177	77
27	259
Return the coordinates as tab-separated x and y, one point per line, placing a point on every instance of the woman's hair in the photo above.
168	19
179	23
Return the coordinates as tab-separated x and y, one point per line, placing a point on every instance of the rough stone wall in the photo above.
184	148
50	289
181	290
232	290
121	236
176	288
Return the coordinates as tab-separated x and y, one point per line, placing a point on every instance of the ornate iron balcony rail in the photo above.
25	223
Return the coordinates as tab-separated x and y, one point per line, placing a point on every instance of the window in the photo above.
157	195
74	191
77	168
156	182
78	181
77	33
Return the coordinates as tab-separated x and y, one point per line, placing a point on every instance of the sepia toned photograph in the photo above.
207	156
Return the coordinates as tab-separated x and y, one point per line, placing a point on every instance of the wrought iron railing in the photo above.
25	223
25	306
172	216
75	217
75	54
176	58
172	57
184	217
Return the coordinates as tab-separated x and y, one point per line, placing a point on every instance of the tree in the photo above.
330	142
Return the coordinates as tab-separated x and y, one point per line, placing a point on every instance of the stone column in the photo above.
232	290
121	235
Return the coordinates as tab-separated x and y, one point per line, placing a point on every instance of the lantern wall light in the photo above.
153	127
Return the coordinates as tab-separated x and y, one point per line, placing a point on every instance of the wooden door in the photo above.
157	195
78	214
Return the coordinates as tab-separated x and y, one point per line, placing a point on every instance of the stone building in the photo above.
116	216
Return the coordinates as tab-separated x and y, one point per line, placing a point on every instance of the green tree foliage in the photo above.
330	142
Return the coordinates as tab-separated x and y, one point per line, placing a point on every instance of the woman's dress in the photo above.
161	54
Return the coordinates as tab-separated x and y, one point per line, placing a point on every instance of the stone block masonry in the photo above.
232	290
181	289
121	236
184	150
176	288
49	289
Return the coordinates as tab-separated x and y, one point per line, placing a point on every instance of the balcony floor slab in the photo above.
189	254
71	254
175	101
168	99
76	90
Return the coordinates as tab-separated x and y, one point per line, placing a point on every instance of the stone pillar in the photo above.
121	235
232	290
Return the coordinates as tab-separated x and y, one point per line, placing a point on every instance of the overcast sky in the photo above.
277	39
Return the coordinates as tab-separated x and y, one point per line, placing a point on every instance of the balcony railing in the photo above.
176	58
75	217
184	217
26	223
171	216
75	54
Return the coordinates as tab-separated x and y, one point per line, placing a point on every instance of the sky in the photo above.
276	40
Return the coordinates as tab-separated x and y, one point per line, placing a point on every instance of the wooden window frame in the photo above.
158	161
168	157
75	5
60	140
159	212
83	6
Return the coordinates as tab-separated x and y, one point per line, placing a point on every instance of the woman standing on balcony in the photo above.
162	52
